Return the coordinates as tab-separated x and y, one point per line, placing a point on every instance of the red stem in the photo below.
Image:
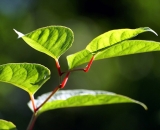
86	69
32	122
62	85
33	104
53	92
58	67
34	116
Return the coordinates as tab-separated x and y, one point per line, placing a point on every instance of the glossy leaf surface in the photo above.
51	40
81	97
6	125
114	36
123	48
29	77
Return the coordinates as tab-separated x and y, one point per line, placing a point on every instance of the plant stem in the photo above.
53	92
34	116
58	67
86	69
32	121
33	104
62	85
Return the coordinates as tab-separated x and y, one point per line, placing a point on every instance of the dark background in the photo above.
136	76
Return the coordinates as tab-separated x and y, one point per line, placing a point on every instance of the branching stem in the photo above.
61	86
86	69
53	92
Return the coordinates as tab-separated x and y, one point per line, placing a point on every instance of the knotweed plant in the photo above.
54	41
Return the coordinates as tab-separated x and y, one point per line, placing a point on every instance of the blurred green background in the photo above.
136	76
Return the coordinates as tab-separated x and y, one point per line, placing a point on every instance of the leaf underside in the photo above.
111	44
79	98
6	125
29	77
51	40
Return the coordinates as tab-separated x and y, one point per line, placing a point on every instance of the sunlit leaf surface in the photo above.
51	40
29	77
122	48
79	58
114	36
128	47
112	44
6	125
81	97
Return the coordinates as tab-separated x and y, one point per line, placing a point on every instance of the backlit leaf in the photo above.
122	48
79	58
79	98
128	47
114	36
6	125
51	40
110	44
29	77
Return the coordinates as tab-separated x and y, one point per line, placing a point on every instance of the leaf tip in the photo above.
19	33
143	105
151	30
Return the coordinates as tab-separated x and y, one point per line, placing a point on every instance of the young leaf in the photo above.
29	77
114	36
81	97
122	48
51	40
6	125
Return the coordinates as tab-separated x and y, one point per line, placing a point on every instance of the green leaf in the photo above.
51	40
128	47
114	36
81	97
29	77
6	125
100	44
122	48
78	58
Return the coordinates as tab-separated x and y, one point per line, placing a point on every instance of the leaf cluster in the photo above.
54	41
